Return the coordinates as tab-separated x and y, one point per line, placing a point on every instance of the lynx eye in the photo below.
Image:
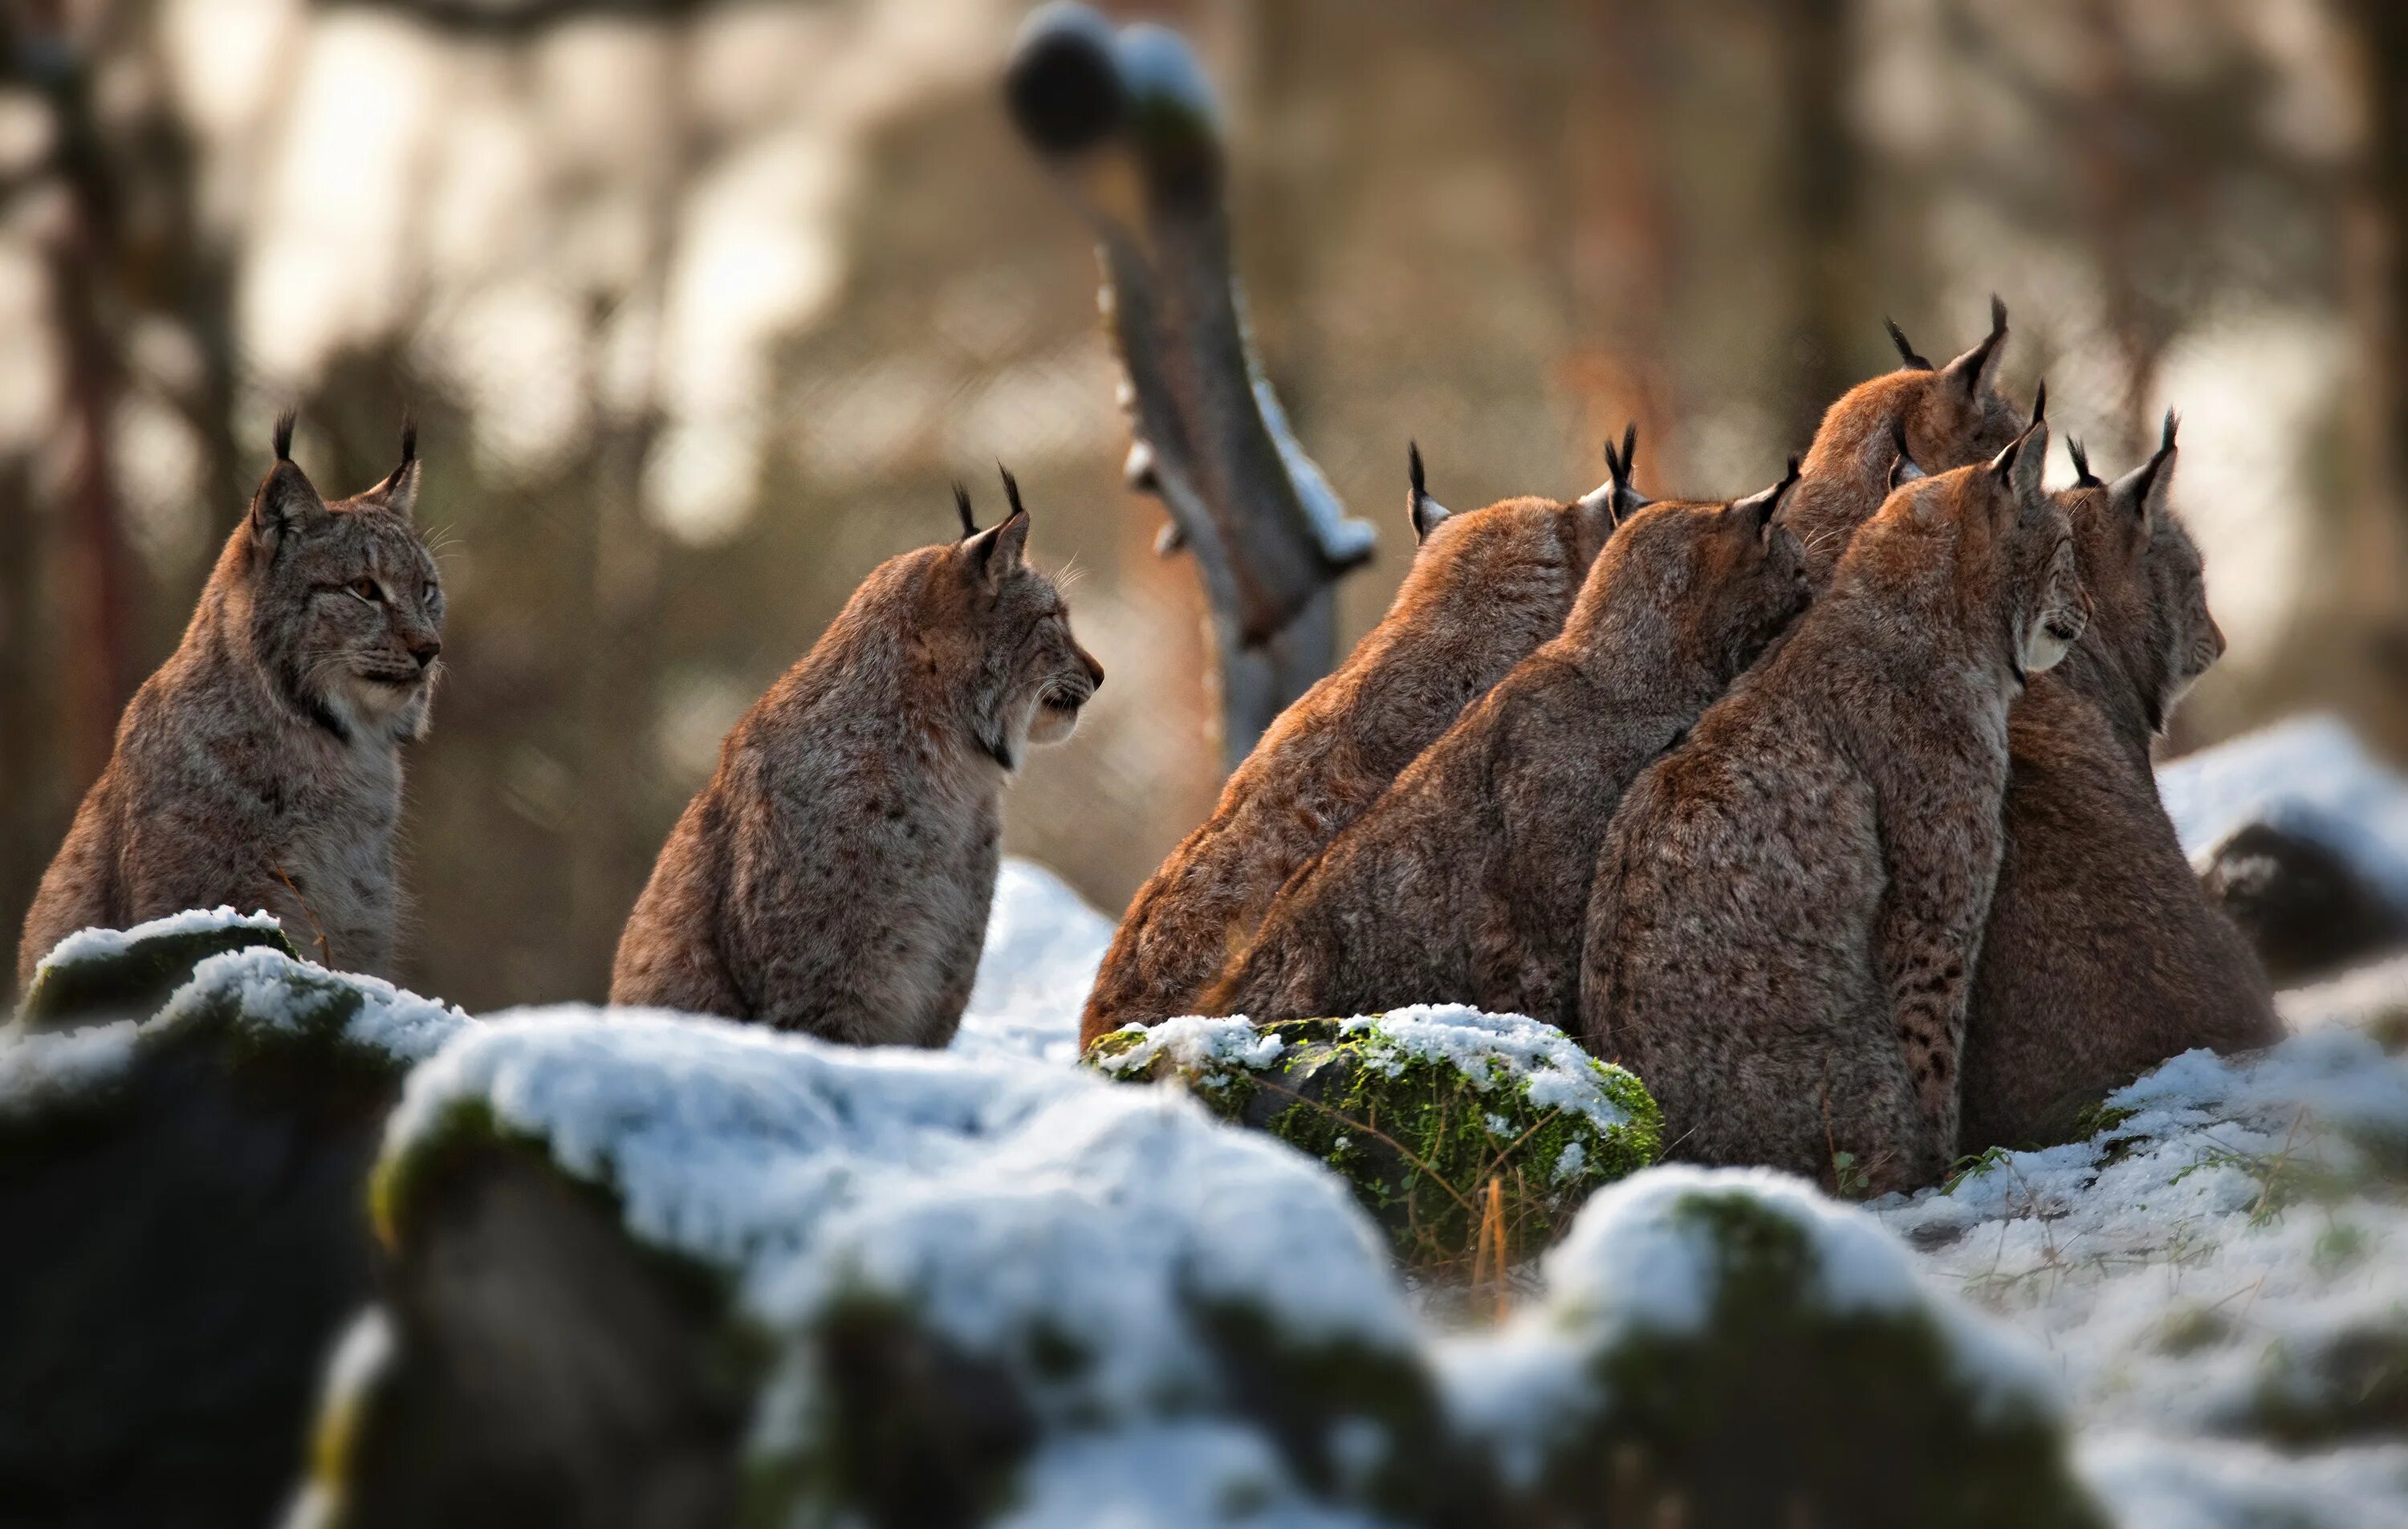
367	590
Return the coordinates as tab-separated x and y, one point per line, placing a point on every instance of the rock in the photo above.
1421	1110
185	1233
652	1270
2305	908
1728	1348
101	974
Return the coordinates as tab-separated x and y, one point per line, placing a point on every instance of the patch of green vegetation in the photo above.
2187	1329
2353	1385
1421	1141
1974	1166
132	982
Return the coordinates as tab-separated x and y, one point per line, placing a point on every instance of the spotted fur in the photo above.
2103	958
1469	879
260	766
835	875
1486	587
1788	906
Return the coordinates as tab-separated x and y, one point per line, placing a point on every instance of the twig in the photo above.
325	952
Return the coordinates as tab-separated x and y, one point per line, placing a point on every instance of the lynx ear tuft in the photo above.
2146	488
399	493
962	505
1011	490
1426	513
1906	352
2040	402
1766	503
1617	496
2083	476
1978	368
285	422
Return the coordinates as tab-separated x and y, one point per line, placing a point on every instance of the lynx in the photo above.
1945	416
2103	957
260	766
1787	909
835	875
1486	587
1468	881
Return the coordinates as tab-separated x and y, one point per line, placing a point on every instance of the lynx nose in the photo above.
427	653
1095	670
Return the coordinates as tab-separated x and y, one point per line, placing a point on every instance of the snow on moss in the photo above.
2310	777
1691	1311
41	1070
266	994
125	973
1025	1214
1421	1109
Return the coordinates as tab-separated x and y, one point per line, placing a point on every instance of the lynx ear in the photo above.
2083	476
1906	352
286	500
1901	467
1427	513
399	493
999	548
1618	496
2020	465
1765	504
2145	492
1978	368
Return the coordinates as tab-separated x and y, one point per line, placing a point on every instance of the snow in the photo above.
1201	1043
103	944
2244	1216
1003	1200
1556	1071
2308	776
1042	947
272	991
1191	1472
47	1067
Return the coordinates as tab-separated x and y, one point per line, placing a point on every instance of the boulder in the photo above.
183	1198
1446	1122
2302	905
101	974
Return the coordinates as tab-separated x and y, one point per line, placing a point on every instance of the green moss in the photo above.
133	982
2352	1386
1419	1140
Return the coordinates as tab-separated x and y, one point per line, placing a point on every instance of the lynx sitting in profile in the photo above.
1486	587
1781	936
2103	957
260	766
835	875
1946	417
1468	881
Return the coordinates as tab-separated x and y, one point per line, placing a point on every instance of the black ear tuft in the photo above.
2040	400
1906	351
1997	316
2083	476
962	504
1413	468
2166	436
1629	448
1011	490
408	439
284	423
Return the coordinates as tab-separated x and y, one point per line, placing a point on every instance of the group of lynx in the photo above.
1828	812
834	875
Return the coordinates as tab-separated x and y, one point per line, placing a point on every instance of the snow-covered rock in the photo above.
180	1204
1422	1110
105	973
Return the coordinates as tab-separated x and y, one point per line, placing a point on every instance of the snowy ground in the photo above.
2220	1278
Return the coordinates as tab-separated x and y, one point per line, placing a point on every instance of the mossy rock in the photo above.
2349	1386
1432	1115
188	1193
1756	1354
105	973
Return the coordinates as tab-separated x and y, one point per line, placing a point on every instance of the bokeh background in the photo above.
700	307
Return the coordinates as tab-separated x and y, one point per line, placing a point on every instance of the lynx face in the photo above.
347	604
1030	676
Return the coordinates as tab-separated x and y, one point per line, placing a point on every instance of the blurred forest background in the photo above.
700	307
